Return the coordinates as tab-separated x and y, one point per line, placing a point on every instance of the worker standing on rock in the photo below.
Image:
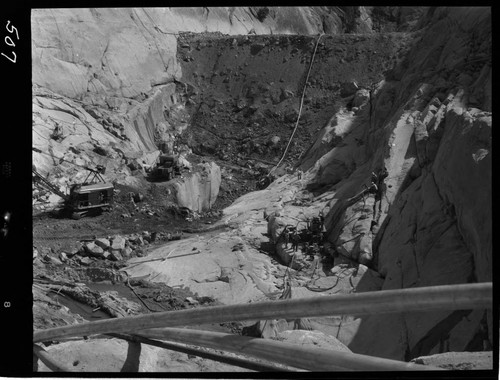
131	200
322	221
299	174
382	175
295	241
373	189
286	236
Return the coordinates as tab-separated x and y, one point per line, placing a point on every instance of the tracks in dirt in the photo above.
62	236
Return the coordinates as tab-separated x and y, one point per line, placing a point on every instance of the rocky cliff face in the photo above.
429	125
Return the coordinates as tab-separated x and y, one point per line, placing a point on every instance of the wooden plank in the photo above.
445	297
238	362
186	254
52	364
309	358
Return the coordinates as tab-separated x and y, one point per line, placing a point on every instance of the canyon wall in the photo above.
429	125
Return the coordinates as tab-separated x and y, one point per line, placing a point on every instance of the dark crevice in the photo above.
439	334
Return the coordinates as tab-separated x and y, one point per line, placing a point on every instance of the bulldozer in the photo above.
165	168
264	181
93	195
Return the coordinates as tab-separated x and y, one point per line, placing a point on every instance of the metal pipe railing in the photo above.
308	358
238	362
446	297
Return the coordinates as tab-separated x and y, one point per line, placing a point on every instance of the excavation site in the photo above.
262	189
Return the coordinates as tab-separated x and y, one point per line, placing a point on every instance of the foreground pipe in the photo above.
52	364
238	362
309	358
445	297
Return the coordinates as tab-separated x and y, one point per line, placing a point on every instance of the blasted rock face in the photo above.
198	191
93	54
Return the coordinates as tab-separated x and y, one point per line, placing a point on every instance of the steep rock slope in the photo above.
429	125
246	90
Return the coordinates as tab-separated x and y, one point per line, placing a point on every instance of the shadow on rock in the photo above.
132	361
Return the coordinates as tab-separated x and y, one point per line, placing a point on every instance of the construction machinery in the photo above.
265	180
166	167
93	195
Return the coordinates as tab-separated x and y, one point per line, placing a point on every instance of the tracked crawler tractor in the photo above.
166	168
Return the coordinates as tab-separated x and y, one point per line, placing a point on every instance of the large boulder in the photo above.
118	243
103	243
115	255
274	141
198	191
94	249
